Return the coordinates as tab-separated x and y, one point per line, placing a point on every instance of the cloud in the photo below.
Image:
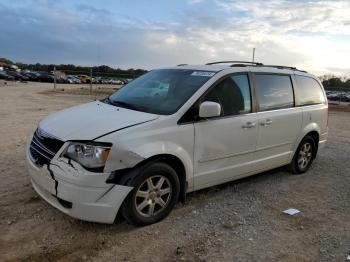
312	35
92	10
315	31
283	15
193	2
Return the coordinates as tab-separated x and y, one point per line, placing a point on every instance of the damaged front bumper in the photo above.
77	192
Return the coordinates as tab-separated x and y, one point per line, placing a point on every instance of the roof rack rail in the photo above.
182	64
235	62
246	63
285	67
242	65
282	67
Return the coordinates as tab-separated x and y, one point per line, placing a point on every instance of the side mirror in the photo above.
209	109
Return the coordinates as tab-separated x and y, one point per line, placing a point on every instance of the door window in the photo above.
233	94
274	91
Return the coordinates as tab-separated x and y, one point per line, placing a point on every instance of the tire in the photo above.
304	156
156	191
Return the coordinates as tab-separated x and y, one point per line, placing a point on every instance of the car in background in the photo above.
70	79
84	79
46	77
109	81
32	76
116	82
101	80
96	80
342	96
16	75
106	80
4	75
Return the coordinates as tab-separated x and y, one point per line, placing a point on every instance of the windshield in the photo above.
161	91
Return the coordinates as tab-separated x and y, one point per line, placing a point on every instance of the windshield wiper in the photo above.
107	100
122	104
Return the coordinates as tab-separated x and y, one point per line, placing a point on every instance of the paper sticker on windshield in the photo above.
203	73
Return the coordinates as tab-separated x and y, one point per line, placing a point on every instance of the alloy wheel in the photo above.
305	155
153	196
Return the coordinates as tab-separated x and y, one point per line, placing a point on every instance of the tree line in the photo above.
327	80
334	81
73	69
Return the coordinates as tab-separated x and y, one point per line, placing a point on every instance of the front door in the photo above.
225	145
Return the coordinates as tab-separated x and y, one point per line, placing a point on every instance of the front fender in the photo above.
128	157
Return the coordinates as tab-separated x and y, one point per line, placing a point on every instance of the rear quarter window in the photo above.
308	91
274	91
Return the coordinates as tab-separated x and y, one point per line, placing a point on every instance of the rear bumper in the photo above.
85	195
323	140
322	144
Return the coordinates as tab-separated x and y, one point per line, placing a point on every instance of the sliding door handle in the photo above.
249	125
266	123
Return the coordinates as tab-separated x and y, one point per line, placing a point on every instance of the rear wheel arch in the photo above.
302	153
316	137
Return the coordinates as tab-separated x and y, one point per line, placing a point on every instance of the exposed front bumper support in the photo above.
90	197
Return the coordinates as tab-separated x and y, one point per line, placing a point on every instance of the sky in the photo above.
312	35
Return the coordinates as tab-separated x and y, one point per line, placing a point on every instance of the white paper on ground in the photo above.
348	258
291	211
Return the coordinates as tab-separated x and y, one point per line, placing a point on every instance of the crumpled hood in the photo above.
91	120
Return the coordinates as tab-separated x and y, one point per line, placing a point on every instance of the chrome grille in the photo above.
43	147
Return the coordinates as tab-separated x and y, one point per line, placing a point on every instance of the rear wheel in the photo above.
303	156
156	191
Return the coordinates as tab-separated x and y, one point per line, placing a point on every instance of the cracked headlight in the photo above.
88	155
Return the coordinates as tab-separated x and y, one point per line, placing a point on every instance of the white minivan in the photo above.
172	131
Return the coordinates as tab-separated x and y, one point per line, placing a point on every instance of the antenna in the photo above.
253	54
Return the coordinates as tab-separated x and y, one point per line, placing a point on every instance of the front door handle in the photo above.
266	123
249	125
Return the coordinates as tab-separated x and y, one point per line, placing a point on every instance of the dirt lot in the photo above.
238	221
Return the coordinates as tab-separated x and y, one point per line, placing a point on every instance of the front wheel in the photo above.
156	191
303	156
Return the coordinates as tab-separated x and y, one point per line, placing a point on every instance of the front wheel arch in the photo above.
138	177
123	176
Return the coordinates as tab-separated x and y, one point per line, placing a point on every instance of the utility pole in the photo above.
253	54
54	77
90	81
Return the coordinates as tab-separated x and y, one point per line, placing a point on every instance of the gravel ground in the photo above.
237	221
